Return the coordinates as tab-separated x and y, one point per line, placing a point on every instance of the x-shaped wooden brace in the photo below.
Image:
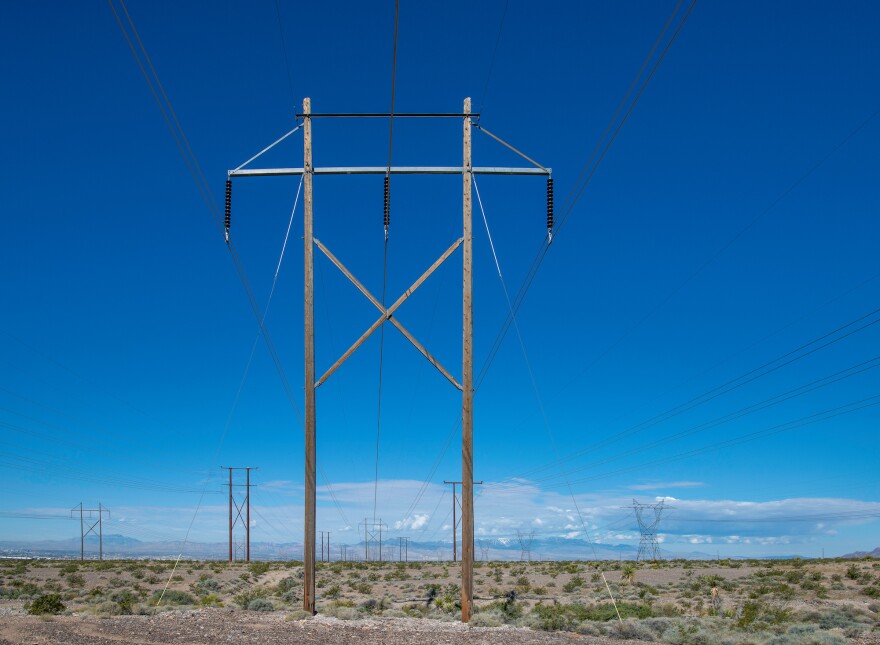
387	314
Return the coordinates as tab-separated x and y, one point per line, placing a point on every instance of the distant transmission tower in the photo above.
88	522
525	544
236	518
649	549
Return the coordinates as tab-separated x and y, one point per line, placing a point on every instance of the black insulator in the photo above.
228	203
550	203
387	201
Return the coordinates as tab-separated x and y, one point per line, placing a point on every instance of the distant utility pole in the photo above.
456	520
403	548
387	313
245	505
322	546
372	533
87	525
649	547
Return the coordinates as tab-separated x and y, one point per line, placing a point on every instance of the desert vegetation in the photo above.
683	602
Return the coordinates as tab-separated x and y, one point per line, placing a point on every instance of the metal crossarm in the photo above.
383	170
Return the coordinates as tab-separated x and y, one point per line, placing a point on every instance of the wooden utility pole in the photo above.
467	380
309	272
230	514
456	521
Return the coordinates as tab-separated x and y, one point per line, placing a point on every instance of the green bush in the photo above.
573	585
260	604
246	597
259	568
173	597
207	586
46	604
126	601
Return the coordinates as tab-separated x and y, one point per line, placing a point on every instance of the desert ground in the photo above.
797	602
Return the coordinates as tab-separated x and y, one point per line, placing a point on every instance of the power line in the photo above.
284	51
825	415
749	376
540	402
198	176
387	221
577	191
492	60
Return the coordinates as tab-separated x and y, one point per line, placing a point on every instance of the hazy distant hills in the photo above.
861	554
120	546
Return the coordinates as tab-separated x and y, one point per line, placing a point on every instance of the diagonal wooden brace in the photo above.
388	313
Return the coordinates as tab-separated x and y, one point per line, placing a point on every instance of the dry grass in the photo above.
776	602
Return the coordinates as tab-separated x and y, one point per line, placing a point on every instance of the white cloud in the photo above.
661	485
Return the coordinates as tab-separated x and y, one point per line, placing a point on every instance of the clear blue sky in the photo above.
733	220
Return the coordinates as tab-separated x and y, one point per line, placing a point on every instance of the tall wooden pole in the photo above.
230	514
247	518
467	382
309	273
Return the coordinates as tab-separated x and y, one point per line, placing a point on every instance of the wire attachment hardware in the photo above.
228	218
387	204
550	208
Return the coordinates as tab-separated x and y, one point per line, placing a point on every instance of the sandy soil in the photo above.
212	626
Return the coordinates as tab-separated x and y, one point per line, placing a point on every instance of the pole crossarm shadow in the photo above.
388	314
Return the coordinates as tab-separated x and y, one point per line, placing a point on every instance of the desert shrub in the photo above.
260	604
333	592
210	600
69	567
286	584
46	604
342	611
75	580
852	572
259	568
362	586
299	614
689	633
871	592
631	629
486	619
506	610
125	600
574	584
373	606
842	616
805	635
754	612
248	595
207	586
173	597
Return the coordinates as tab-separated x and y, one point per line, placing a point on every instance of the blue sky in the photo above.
732	222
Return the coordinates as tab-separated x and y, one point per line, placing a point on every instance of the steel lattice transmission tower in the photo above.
649	548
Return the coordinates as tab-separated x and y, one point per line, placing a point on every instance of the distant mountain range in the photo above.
550	548
861	554
120	546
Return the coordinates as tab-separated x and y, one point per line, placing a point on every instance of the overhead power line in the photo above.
583	181
787	358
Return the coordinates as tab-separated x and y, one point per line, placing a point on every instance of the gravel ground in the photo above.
213	626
